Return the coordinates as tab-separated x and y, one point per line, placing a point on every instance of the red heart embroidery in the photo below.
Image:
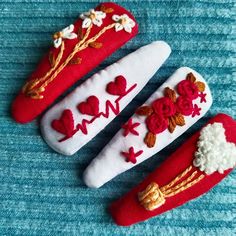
118	87
90	107
65	124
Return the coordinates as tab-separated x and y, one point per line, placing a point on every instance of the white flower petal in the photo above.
71	28
92	17
68	29
116	18
82	16
71	36
86	23
118	27
97	22
100	14
131	23
87	13
125	16
127	28
57	42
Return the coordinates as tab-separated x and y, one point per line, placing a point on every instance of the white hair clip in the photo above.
180	102
80	116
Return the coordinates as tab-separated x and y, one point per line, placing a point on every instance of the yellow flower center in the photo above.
123	21
57	35
92	16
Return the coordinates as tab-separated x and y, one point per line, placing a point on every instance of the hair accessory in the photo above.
78	118
192	170
180	102
77	49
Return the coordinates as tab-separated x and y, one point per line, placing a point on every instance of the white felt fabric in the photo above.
110	162
137	67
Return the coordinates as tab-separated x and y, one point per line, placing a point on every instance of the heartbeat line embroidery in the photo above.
65	124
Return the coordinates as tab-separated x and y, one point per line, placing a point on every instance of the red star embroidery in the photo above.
202	97
131	155
196	110
129	127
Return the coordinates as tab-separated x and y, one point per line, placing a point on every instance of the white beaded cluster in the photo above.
214	152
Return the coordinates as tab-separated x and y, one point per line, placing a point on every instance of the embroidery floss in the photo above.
192	170
76	52
162	119
99	100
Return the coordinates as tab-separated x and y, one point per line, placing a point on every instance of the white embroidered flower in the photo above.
66	33
214	152
92	17
123	22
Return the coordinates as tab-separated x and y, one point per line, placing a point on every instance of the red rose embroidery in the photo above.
188	89
156	123
164	106
184	105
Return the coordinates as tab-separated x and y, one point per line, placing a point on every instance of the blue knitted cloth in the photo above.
41	192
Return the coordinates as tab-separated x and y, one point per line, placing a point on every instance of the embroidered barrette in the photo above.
181	101
78	118
192	170
76	50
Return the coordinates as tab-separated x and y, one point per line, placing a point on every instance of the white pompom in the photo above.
214	152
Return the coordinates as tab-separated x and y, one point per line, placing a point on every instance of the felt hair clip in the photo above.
192	170
81	115
77	49
180	102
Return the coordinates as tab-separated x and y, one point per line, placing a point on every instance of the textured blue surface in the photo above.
41	192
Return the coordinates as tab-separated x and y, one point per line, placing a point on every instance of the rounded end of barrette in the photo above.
90	180
119	215
18	112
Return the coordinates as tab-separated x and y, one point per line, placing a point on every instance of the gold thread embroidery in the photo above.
154	196
180	176
188	185
29	88
180	185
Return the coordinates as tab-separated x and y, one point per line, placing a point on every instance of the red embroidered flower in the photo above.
188	89
156	123
184	105
164	107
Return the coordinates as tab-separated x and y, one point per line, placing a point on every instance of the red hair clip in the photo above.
193	169
77	49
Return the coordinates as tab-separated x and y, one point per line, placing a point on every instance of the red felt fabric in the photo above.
127	210
25	109
118	87
90	107
65	124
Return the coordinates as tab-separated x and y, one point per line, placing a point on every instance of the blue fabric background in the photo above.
41	192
